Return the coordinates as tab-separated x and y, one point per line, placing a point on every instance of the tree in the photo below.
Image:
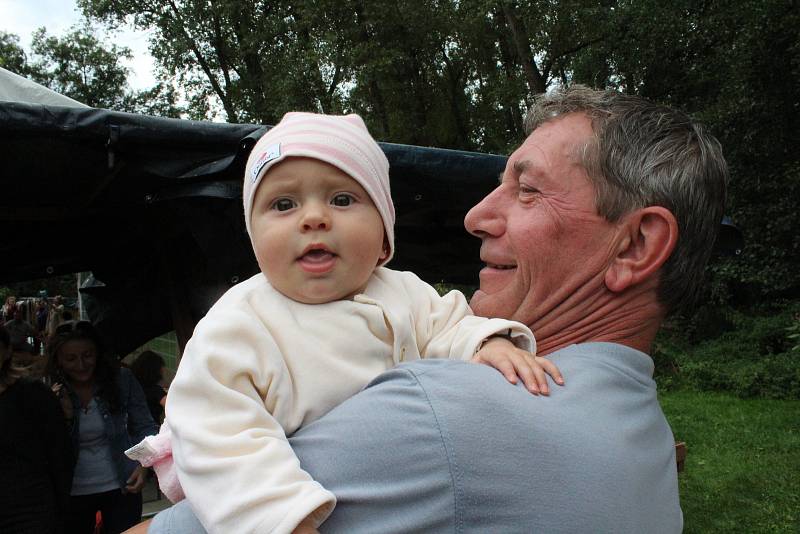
160	100
461	73
80	66
736	66
259	59
12	56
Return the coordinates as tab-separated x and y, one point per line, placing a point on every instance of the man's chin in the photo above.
478	302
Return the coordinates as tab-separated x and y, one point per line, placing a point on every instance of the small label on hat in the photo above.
270	153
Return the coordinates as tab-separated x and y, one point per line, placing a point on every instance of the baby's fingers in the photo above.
508	369
551	369
526	368
538	379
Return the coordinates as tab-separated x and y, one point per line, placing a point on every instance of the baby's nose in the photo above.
316	218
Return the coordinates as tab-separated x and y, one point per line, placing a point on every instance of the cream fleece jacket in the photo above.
259	366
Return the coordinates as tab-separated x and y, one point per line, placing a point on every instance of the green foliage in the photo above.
12	56
736	66
742	463
455	74
160	100
80	66
460	74
443	288
751	356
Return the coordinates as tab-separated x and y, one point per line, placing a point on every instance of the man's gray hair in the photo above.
643	154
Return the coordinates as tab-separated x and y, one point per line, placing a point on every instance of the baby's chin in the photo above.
317	297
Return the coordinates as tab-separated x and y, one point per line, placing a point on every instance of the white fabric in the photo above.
259	366
15	88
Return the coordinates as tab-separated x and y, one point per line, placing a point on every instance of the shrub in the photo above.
755	358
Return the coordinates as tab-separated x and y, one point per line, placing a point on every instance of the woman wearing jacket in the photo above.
107	411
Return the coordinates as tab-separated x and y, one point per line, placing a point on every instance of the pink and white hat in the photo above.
340	140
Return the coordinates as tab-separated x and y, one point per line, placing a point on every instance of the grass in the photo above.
743	464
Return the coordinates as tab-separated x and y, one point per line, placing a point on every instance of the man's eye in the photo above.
282	204
342	200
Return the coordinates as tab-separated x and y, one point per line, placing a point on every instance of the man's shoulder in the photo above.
479	439
585	359
571	447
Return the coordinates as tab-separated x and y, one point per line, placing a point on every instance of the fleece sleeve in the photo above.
233	459
447	328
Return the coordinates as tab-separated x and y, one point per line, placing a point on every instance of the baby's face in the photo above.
317	234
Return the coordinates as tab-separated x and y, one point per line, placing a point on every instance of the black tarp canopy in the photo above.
152	207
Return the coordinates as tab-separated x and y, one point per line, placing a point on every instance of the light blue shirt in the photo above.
448	446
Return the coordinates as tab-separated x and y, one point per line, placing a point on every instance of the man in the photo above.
602	225
20	332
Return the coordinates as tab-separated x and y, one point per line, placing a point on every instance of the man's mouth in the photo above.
499	266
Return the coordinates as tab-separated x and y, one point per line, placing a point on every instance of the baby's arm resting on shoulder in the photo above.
446	327
500	353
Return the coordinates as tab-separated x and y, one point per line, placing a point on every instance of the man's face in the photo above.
545	247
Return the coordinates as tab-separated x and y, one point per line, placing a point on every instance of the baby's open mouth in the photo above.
317	255
317	260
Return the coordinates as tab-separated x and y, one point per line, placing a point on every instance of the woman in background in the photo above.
149	371
8	309
35	452
109	414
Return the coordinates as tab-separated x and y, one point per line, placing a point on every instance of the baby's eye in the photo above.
342	199
282	204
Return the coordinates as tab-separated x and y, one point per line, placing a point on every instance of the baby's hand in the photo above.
513	362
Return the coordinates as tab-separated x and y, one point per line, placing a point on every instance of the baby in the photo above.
321	320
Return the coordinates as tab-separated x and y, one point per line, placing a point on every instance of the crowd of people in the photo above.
66	425
30	321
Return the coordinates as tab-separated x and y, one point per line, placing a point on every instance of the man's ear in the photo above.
649	237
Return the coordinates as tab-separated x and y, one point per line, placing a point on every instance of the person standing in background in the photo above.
149	371
108	413
40	325
7	311
20	330
56	315
36	458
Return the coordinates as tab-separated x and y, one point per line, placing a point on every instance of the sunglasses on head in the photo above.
74	326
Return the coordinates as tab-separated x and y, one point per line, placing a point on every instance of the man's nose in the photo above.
315	217
485	218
